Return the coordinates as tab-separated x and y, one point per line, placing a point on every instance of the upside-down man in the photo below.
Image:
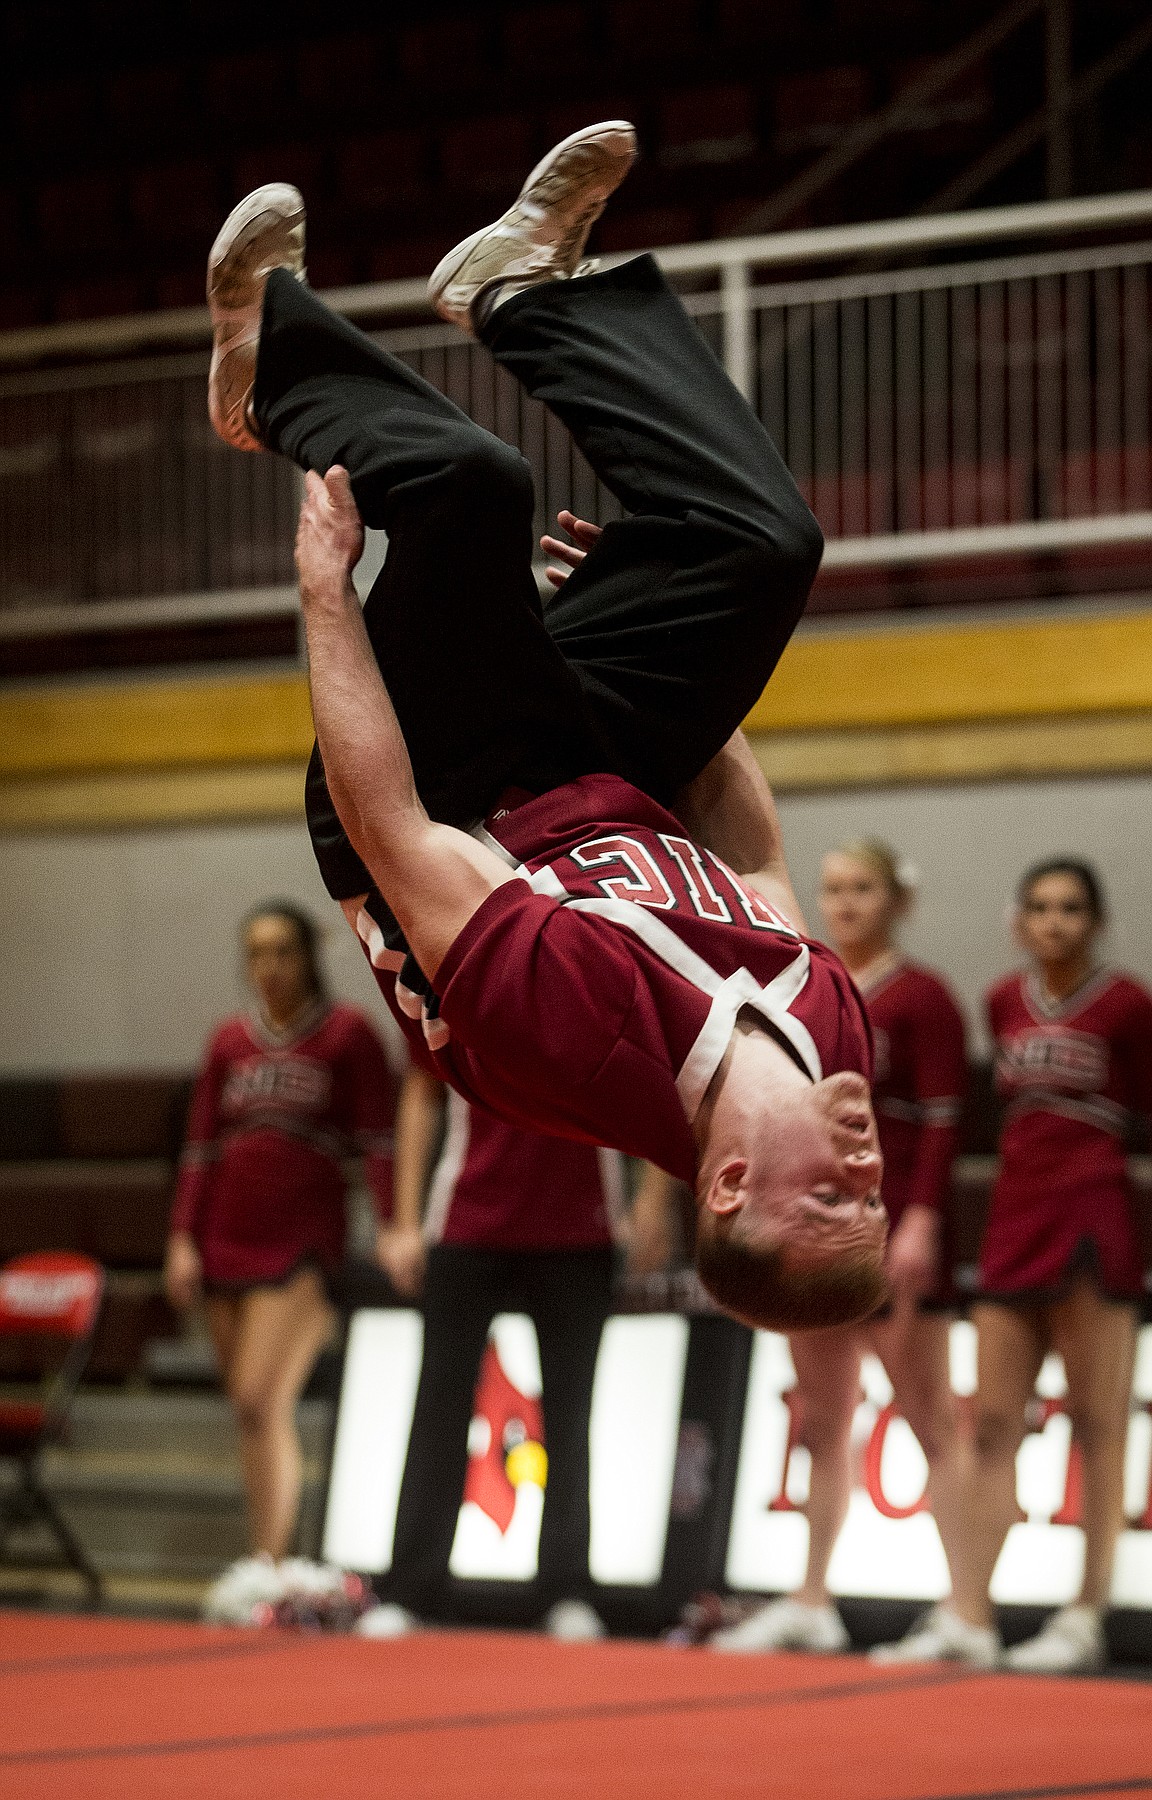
554	813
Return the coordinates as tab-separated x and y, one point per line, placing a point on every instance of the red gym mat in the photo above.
93	1707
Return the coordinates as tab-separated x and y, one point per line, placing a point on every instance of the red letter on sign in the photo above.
873	1458
781	1502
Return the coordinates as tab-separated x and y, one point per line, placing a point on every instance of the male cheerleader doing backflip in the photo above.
548	824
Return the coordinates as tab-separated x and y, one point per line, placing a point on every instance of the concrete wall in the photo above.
118	950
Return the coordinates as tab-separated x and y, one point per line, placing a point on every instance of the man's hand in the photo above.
587	537
329	537
402	1254
650	1234
730	810
914	1253
183	1271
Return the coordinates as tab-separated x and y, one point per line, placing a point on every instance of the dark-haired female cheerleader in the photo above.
1060	1264
286	1093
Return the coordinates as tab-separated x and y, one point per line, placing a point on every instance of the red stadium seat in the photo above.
178	203
542	38
119	1115
653	30
648	229
707	125
488	153
340	74
255	88
447	54
813	109
49	1302
382	169
989	493
150	104
298	163
82	213
1114	479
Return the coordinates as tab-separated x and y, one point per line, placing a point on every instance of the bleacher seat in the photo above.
488	155
546	37
707	125
151	104
56	117
179	202
341	75
447	55
119	1115
648	228
250	90
814	109
382	168
653	31
301	164
81	212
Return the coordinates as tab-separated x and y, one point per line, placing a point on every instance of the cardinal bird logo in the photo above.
508	1438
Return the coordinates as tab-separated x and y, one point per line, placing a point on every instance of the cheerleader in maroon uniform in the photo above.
1060	1265
920	1075
507	1220
258	1220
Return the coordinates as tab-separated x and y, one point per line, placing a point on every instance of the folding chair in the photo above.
49	1304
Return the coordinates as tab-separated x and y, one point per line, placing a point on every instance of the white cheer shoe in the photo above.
243	1590
1071	1642
542	235
787	1624
574	1622
386	1621
940	1636
265	232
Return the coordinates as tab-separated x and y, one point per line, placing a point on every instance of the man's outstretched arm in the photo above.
729	808
433	877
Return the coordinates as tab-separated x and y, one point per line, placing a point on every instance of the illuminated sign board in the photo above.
643	1449
889	1547
634	1429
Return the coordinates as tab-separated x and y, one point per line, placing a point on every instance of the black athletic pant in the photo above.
656	647
567	1295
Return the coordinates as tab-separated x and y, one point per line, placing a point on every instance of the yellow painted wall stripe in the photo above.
121	798
153	724
795	762
843	680
928	674
808	761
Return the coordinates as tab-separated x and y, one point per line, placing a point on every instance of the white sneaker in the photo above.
1072	1640
787	1625
302	1576
574	1622
939	1636
386	1621
265	232
542	235
251	1583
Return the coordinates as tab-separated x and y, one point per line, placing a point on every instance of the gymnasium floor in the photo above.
103	1707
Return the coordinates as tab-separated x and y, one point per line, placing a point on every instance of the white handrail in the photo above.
1048	218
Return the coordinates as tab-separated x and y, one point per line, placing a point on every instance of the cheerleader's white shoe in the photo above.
1071	1642
787	1624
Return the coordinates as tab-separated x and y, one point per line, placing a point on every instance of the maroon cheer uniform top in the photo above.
1072	1073
595	996
498	1188
918	1087
274	1114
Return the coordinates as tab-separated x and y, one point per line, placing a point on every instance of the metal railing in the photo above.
970	404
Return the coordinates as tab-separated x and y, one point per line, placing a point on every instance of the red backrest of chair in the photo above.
54	1293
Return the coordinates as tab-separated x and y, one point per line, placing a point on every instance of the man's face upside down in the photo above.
791	1230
